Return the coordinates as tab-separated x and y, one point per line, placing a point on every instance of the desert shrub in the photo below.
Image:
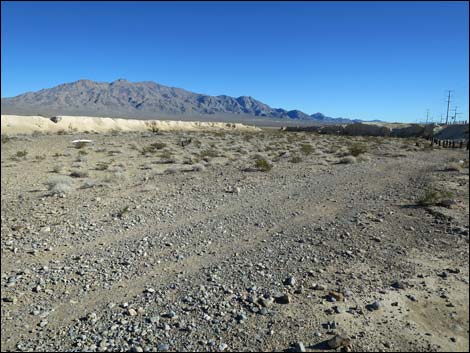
102	165
79	173
40	157
198	168
158	145
433	196
21	154
87	184
154	147
82	153
172	170
348	160
452	167
357	148
220	134
61	132
296	159
80	144
263	165
6	139
58	169
59	185
153	127
209	153
363	158
306	148
122	212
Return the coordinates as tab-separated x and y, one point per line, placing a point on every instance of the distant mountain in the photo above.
122	98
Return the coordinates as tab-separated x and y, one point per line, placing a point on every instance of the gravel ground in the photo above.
190	242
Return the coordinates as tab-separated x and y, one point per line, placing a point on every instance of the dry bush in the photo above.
102	165
348	160
59	185
295	159
77	173
306	148
21	154
80	144
59	169
198	167
433	196
453	167
357	148
363	158
263	165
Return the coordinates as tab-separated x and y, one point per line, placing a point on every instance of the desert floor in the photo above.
134	242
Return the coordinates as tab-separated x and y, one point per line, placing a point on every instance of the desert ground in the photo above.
233	240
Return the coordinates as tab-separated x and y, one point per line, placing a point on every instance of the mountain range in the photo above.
122	98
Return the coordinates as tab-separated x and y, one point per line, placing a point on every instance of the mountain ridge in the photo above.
147	98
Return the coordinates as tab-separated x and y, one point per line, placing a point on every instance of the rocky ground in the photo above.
265	241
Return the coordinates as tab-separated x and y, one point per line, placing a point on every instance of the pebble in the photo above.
376	305
336	295
283	299
289	281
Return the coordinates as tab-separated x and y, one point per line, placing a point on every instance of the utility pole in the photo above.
427	115
455	115
448	105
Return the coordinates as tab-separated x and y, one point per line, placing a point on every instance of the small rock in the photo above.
337	296
283	299
412	298
289	281
338	341
376	305
398	284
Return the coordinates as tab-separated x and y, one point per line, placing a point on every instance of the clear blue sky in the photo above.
368	60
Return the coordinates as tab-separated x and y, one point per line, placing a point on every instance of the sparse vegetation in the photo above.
348	160
21	154
102	165
263	165
79	173
80	144
358	148
453	167
59	169
296	159
209	153
433	196
59	185
5	139
306	148
153	127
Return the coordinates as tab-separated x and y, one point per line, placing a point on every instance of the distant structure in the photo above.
448	106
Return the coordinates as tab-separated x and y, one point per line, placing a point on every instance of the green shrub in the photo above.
209	153
22	154
358	148
263	165
296	159
306	148
433	197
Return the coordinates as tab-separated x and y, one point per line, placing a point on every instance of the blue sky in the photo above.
368	60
